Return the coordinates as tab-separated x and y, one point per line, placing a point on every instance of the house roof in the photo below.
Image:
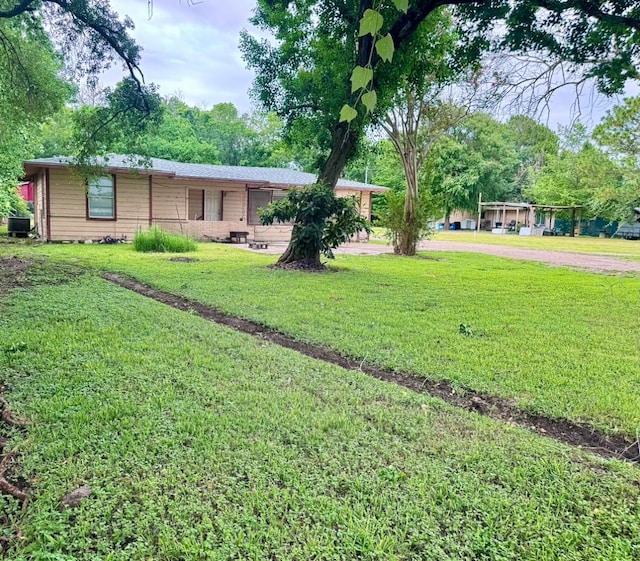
257	175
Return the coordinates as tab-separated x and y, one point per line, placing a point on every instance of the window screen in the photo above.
101	197
257	199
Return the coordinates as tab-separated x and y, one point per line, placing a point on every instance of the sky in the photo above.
190	47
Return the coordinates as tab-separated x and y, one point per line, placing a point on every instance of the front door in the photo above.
213	205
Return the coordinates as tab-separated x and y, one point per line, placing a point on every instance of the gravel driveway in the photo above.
596	263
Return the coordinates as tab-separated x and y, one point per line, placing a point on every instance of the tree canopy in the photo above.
30	89
46	46
219	135
305	74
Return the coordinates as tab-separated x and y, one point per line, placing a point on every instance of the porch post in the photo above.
150	200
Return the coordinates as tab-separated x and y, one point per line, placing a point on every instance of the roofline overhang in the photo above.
31	166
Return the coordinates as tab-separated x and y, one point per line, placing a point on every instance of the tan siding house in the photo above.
203	201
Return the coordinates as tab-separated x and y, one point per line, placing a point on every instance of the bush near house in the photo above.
157	240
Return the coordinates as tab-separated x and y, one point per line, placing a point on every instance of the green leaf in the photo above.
360	78
402	5
347	113
370	23
369	100
385	47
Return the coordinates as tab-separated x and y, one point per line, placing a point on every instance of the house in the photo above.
25	190
200	200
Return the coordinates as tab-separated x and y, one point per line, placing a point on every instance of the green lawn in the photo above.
202	443
559	342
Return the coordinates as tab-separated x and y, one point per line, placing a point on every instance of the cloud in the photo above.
192	47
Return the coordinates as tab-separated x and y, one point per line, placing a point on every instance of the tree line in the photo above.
517	160
520	160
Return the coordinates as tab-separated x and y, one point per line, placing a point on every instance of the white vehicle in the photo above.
630	230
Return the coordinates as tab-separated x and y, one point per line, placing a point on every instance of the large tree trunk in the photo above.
345	141
295	259
289	259
408	236
447	219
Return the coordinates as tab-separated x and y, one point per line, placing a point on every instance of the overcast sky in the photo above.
191	47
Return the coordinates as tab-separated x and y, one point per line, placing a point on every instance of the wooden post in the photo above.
479	214
573	222
579	221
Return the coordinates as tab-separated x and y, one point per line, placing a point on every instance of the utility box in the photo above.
18	226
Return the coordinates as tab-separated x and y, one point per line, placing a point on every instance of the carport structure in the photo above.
501	213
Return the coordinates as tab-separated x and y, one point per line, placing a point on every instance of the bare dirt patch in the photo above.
183	260
17	272
13	272
575	434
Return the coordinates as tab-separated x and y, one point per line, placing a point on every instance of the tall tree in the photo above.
535	144
414	126
306	74
43	44
478	157
619	130
421	113
577	176
619	134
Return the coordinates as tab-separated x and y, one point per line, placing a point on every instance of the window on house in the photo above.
205	204
196	204
257	199
101	198
279	194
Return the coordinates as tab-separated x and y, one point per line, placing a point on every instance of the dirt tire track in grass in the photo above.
10	420
18	491
575	434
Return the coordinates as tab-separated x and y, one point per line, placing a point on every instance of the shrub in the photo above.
156	239
321	222
398	230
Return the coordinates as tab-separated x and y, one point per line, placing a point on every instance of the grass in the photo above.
558	342
202	443
157	240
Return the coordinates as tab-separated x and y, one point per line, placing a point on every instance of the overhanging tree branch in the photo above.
112	37
592	9
21	8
